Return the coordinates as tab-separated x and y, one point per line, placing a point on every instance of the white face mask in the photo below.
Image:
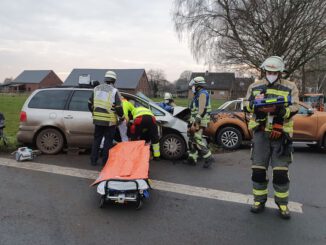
166	101
193	89
271	78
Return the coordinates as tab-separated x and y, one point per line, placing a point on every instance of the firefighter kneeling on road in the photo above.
144	127
200	115
272	127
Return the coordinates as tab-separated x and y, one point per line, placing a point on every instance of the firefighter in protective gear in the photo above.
106	108
144	127
123	122
200	107
168	103
272	128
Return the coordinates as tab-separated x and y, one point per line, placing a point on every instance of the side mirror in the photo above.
310	111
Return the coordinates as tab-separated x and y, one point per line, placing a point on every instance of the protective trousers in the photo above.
99	132
276	153
198	146
145	128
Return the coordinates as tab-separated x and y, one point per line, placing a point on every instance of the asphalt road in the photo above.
48	208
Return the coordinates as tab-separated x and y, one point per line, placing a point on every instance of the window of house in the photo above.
222	92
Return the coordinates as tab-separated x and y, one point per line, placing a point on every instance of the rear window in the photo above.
50	99
79	101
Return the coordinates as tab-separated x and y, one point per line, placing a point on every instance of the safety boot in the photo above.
284	211
208	162
257	207
189	161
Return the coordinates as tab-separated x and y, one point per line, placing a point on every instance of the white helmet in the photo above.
110	77
167	96
197	81
273	63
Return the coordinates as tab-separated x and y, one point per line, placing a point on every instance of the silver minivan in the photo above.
57	118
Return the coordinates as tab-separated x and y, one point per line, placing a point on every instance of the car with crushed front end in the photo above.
58	118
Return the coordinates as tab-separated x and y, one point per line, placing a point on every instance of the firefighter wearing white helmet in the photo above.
168	103
200	107
273	101
105	105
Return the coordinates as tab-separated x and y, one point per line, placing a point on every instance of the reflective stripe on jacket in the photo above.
282	88
104	98
141	111
201	108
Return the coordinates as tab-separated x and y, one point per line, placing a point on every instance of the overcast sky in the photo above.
62	35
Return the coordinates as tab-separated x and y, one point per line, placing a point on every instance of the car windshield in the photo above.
234	105
224	105
311	99
141	95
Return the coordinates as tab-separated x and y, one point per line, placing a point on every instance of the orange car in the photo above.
228	126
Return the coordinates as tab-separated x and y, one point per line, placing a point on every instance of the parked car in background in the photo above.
57	118
229	128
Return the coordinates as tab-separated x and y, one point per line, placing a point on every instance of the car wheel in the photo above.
172	146
229	138
49	141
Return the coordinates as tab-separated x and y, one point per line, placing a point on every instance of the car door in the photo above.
305	125
78	120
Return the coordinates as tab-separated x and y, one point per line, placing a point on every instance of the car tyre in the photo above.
229	138
49	141
172	146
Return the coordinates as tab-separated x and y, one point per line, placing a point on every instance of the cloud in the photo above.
62	35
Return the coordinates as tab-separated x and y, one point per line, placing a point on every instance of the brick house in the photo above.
30	80
128	80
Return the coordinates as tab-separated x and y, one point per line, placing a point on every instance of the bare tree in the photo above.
248	31
156	79
181	84
315	72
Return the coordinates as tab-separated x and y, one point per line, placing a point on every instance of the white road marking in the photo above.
156	184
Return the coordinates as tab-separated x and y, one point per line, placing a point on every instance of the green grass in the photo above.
185	102
10	106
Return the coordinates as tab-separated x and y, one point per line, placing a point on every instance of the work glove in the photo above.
194	127
277	131
120	120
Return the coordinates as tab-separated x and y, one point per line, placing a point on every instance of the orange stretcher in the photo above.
124	177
